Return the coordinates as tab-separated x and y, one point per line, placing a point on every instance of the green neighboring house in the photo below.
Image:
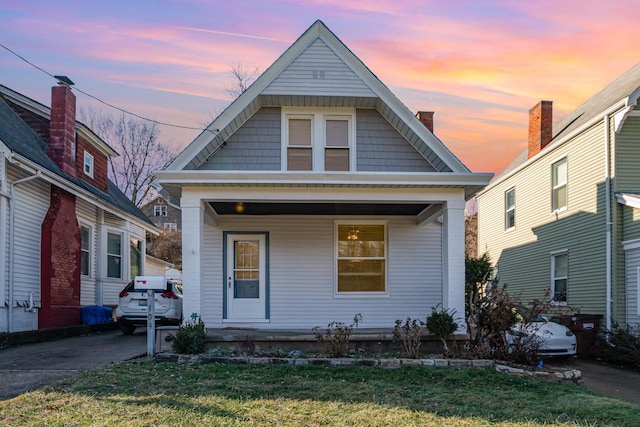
565	214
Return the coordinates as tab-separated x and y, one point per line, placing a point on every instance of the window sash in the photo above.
114	255
135	256
510	209
559	185
85	248
88	164
560	276
361	258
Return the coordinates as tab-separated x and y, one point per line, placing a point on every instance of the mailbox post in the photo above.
150	284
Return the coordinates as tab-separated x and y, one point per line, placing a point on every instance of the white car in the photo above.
132	306
549	338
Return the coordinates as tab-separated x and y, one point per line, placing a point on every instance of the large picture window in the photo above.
510	209
361	257
559	276
114	255
559	185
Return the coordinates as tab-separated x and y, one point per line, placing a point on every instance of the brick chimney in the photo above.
62	129
540	126
426	117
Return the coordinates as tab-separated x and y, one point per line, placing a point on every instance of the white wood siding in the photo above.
302	284
318	71
30	204
523	254
632	279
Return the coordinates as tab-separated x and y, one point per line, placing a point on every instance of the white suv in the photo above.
132	306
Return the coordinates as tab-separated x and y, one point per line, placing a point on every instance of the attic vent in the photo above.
318	74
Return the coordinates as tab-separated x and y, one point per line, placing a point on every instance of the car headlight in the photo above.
569	333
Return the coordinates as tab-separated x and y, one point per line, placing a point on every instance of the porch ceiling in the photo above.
275	208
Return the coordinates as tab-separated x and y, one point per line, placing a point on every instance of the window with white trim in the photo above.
510	209
559	277
318	140
88	164
85	249
135	256
160	210
171	226
559	185
361	258
114	255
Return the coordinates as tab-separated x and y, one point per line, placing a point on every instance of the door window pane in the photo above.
246	269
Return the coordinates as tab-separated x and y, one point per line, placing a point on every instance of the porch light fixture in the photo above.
239	207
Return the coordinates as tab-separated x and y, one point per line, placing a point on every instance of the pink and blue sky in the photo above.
480	65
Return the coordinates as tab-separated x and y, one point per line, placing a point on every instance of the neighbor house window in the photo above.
170	226
559	276
114	255
361	257
88	164
299	150
318	140
559	185
85	249
135	253
160	210
510	209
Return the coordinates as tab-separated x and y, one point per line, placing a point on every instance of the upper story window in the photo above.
320	140
160	210
171	226
559	277
510	209
88	164
559	185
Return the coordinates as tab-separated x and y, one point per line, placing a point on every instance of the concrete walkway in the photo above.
30	366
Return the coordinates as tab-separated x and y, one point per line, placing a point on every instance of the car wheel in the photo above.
127	328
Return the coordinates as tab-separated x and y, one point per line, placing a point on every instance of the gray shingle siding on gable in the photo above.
381	148
254	146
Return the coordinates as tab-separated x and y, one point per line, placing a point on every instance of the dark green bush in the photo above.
442	324
190	337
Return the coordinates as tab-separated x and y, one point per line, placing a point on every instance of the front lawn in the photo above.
145	393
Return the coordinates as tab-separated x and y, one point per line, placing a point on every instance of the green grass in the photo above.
143	393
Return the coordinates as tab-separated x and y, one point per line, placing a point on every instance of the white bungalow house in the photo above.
317	195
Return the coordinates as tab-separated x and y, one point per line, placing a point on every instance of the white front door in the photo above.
246	277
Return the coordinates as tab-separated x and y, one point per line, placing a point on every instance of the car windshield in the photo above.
525	315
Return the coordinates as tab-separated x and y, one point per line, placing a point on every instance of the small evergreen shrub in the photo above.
335	338
408	336
190	337
442	324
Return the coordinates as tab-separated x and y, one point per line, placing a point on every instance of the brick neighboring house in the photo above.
70	237
164	214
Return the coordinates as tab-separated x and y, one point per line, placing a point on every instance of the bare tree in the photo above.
167	246
243	77
141	151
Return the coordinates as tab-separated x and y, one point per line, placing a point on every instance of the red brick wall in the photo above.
99	179
62	131
540	126
60	263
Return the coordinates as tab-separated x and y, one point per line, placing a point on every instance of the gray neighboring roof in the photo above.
23	140
617	90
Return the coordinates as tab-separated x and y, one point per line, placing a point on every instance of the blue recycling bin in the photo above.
95	314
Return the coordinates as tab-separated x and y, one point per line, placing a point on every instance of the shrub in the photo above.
335	338
190	337
442	324
408	336
620	345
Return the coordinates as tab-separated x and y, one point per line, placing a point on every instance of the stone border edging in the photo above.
570	376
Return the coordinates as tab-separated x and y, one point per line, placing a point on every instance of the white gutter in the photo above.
608	222
38	174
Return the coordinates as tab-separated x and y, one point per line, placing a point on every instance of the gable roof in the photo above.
625	88
24	142
365	91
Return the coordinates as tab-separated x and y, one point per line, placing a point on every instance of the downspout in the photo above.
12	215
609	223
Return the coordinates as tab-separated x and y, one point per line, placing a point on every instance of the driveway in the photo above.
28	367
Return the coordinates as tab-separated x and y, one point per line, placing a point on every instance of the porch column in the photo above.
453	261
192	223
